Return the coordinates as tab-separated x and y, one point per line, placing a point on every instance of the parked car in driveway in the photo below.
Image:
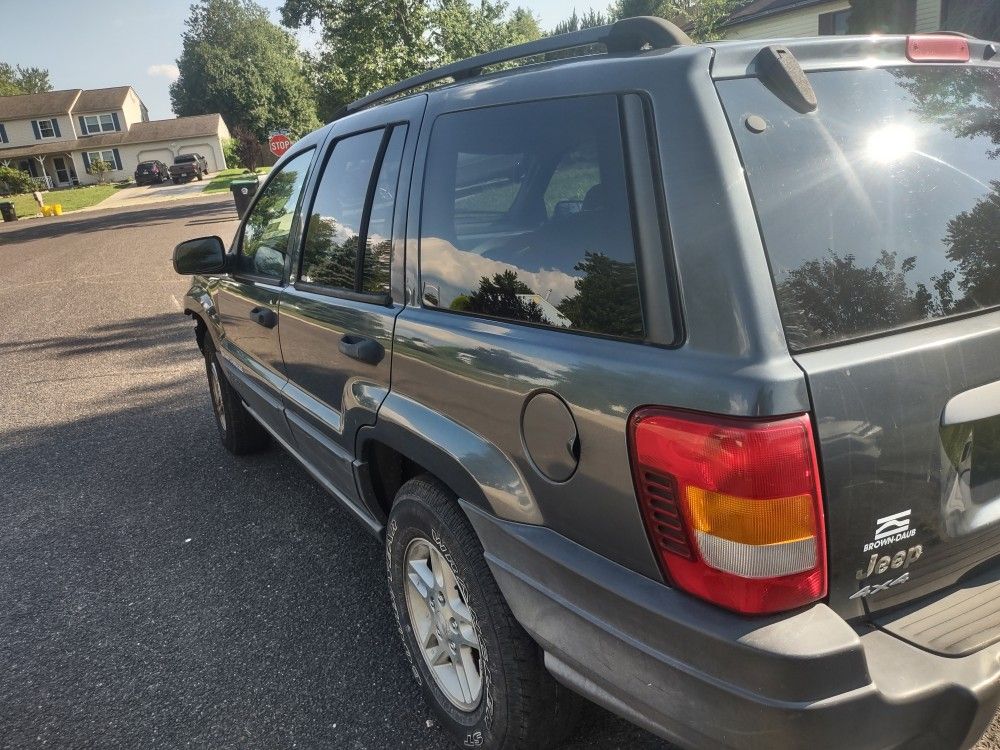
667	376
151	172
187	167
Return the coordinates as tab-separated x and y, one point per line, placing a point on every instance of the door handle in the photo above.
264	316
362	349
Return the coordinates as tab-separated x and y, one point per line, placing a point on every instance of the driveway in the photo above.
156	591
145	195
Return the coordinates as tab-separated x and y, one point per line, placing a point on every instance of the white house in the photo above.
785	18
56	135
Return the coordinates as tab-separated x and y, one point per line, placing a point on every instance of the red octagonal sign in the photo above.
279	143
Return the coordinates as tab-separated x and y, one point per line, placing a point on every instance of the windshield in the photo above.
882	208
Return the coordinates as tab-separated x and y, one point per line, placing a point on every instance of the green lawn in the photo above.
71	199
220	180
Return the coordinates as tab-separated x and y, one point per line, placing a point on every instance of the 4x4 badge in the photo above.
876	587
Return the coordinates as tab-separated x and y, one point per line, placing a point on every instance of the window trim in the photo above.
634	150
41	134
382	299
100	157
99	128
237	246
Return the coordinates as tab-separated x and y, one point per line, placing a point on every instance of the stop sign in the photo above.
278	143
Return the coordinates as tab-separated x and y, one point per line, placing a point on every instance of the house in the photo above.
56	135
786	18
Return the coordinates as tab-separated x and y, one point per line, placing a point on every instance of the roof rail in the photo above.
629	34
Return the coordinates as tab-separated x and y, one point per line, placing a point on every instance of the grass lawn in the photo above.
220	180
72	199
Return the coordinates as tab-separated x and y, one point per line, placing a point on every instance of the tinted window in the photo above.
337	226
880	209
269	224
330	253
378	237
526	217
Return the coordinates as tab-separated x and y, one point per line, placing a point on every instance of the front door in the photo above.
338	316
62	172
248	300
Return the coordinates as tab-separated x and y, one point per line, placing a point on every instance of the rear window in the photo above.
881	209
526	217
182	159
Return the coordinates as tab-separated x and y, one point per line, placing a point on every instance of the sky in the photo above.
132	42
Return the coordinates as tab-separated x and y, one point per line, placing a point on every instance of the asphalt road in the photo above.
156	592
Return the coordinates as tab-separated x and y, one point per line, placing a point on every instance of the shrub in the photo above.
100	168
13	181
229	150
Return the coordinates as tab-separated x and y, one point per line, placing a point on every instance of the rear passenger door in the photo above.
339	309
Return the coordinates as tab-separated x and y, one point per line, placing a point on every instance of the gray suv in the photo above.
668	374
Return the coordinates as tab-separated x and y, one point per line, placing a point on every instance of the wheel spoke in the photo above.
462	673
422	578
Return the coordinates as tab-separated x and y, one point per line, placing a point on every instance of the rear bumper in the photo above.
702	677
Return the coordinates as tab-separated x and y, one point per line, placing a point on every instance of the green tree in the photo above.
15	79
369	44
973	246
236	62
575	22
606	298
702	19
499	297
460	29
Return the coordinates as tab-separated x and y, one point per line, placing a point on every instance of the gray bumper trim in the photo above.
702	677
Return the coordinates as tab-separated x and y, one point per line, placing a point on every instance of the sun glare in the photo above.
891	144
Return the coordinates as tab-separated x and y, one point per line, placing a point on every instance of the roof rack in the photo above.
629	34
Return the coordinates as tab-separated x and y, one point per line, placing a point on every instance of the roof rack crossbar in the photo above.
629	34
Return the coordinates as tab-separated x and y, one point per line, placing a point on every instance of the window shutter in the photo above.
55	127
114	116
3	134
83	126
34	127
118	159
86	162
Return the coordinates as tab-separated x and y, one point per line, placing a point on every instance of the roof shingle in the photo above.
101	100
25	106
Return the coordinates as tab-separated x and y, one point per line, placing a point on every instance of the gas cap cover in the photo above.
550	436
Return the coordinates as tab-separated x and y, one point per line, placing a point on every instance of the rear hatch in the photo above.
880	213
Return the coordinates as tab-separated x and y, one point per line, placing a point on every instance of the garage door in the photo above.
156	154
205	150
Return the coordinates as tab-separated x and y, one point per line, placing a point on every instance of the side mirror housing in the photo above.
201	256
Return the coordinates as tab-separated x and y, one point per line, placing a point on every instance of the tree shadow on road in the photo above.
208	210
169	333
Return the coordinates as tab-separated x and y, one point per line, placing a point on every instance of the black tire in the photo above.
240	432
520	706
199	177
175	180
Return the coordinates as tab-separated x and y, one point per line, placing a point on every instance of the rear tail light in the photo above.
936	48
733	506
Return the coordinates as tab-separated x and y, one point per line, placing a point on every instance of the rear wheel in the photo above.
240	432
479	670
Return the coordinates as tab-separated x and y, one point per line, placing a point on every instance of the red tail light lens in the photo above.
936	48
733	506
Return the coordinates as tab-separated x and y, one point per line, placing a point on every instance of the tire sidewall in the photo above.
484	727
211	358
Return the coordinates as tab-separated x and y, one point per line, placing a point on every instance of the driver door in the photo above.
248	300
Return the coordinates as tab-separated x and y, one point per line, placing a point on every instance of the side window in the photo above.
268	226
349	214
526	217
378	238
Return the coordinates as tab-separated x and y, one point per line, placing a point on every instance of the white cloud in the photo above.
167	70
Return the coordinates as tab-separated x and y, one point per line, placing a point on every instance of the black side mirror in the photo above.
200	256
